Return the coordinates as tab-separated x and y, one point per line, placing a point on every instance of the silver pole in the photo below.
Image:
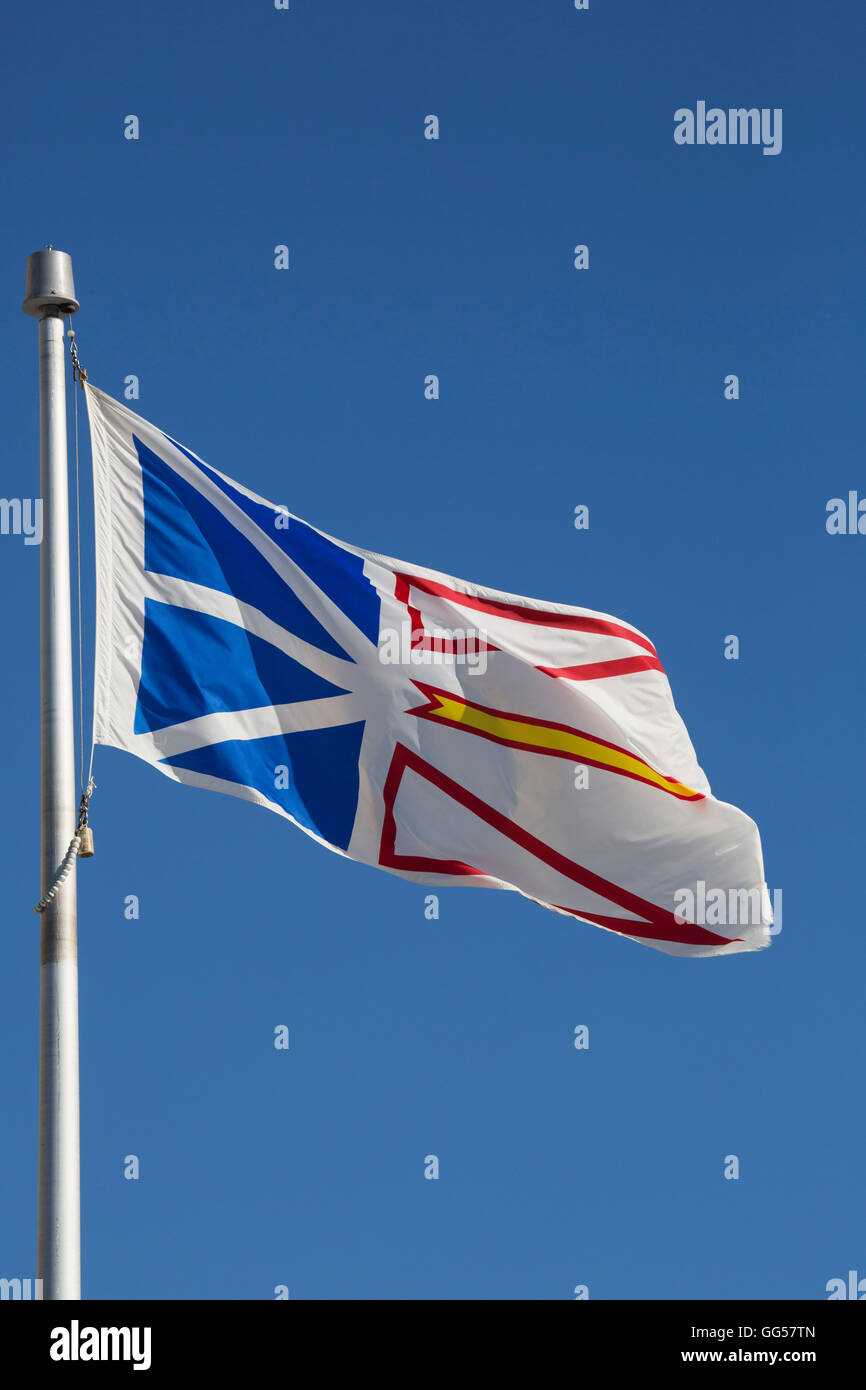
50	294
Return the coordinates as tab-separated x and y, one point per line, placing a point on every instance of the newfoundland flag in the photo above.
446	732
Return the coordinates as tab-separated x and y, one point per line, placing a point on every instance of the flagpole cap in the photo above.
49	284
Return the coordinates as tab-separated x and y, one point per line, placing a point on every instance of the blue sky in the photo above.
558	387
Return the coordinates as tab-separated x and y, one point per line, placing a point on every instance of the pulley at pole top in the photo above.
49	287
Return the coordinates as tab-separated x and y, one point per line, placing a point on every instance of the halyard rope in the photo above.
82	834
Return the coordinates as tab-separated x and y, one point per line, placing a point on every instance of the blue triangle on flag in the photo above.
319	765
187	537
194	664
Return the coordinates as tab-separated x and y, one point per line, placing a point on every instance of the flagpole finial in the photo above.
50	288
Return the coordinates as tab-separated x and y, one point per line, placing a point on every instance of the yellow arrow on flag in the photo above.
541	736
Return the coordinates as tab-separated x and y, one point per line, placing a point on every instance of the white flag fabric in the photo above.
446	732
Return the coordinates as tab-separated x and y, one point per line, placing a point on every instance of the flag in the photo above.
448	733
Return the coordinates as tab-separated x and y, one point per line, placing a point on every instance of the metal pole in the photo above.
50	295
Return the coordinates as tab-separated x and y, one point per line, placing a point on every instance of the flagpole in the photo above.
49	296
